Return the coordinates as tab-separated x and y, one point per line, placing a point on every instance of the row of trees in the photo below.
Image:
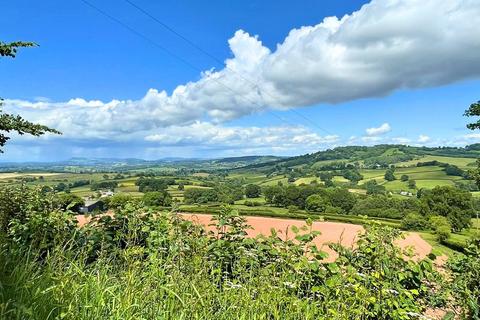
153	184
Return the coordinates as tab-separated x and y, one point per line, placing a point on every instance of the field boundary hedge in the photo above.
360	220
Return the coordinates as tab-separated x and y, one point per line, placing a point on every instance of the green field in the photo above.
463	163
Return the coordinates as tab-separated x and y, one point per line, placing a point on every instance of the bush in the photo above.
466	280
69	201
249	203
389	174
292	209
316	203
200	195
252	191
118	201
414	221
157	199
441	227
449	202
141	264
443	233
373	187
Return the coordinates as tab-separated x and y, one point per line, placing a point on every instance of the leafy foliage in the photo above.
123	265
15	123
252	191
157	198
466	284
449	202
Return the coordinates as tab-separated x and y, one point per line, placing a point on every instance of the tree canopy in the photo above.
15	123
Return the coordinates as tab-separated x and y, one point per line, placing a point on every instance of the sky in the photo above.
150	79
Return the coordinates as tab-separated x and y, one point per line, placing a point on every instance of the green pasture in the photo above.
463	163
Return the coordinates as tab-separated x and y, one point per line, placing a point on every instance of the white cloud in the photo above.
385	46
207	134
384	128
401	140
423	138
370	140
472	136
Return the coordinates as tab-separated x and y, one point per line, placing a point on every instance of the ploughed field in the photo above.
330	232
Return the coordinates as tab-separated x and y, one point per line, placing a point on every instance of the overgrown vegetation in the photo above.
146	264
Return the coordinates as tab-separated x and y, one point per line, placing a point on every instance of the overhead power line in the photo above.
213	57
184	61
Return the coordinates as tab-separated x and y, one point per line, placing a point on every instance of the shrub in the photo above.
373	187
157	199
252	191
118	201
342	199
69	201
249	203
443	233
316	203
414	221
200	195
449	202
466	280
389	174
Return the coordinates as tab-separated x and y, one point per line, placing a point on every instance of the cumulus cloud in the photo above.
401	140
423	138
384	128
384	46
204	133
472	136
198	138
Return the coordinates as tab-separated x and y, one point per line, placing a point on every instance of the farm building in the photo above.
91	205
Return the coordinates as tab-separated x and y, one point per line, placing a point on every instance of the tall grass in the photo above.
151	265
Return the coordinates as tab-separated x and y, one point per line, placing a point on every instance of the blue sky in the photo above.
387	66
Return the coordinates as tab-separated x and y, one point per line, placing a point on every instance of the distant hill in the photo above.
82	164
368	156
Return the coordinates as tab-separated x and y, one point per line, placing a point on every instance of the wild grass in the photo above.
142	265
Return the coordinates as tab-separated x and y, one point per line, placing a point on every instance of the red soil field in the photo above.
331	232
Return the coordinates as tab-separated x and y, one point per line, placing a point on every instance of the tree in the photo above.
119	200
353	175
449	202
316	203
252	191
329	183
343	199
404	178
441	226
69	201
181	186
10	49
414	221
157	199
389	174
452	170
412	184
15	123
473	111
373	187
200	195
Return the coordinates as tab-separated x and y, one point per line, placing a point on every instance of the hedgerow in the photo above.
144	264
